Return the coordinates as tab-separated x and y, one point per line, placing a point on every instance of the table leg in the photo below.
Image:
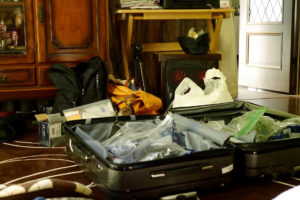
123	48
214	34
129	36
126	44
211	35
217	33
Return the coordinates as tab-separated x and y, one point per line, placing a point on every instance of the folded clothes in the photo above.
138	3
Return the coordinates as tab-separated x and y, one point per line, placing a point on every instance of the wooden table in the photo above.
128	16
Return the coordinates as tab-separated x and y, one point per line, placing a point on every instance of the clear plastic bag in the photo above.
269	129
266	127
133	141
290	122
208	133
196	142
128	137
161	148
244	124
174	136
254	127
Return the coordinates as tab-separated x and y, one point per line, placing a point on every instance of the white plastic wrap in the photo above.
173	136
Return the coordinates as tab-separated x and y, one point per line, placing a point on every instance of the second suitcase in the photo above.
277	156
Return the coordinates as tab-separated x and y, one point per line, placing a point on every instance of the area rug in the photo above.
24	159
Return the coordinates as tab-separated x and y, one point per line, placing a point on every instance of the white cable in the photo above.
63	174
92	184
283	183
17	141
14	145
41	159
39	173
24	157
297	179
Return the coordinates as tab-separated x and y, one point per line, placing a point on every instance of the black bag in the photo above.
197	46
11	124
86	83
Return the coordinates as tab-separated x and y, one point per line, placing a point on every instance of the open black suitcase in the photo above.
262	159
181	176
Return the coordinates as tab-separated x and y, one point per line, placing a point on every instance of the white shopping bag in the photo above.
189	93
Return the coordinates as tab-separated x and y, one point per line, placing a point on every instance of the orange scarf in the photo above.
139	102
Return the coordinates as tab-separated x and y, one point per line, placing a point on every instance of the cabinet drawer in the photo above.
43	75
43	78
17	75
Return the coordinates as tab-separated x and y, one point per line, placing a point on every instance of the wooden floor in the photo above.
283	102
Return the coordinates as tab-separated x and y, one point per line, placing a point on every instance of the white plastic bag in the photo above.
215	87
216	91
189	91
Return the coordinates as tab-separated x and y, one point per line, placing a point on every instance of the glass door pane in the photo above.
12	27
265	11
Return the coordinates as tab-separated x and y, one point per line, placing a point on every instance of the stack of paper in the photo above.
133	4
99	109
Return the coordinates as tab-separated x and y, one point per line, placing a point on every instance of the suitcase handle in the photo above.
181	170
76	150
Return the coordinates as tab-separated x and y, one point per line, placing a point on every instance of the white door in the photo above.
265	44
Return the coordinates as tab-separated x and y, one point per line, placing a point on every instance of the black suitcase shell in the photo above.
265	159
200	171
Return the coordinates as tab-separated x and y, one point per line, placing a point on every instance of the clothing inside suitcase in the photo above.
148	179
271	158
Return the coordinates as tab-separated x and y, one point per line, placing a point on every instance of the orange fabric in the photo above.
139	101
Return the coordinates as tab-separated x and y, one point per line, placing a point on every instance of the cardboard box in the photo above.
50	125
50	129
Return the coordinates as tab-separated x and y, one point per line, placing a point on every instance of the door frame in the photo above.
296	49
294	78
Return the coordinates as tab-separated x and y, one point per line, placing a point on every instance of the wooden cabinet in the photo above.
10	13
65	31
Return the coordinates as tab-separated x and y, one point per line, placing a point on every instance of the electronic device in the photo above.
190	4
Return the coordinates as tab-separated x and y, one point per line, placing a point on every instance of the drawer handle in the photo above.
3	79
